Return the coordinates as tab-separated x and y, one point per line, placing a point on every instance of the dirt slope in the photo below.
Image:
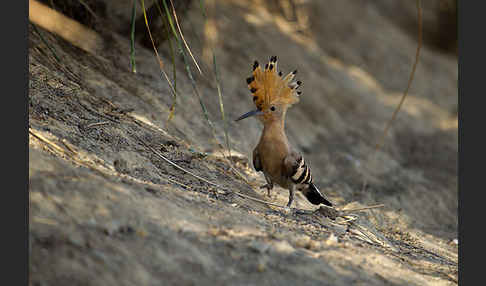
105	209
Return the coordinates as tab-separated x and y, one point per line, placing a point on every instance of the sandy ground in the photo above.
107	209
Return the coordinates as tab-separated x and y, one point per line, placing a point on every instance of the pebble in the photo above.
332	240
261	267
259	247
283	246
303	241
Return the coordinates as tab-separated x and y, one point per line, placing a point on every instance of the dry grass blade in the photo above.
68	29
201	6
191	78
381	142
180	168
47	44
234	192
97	124
203	107
365	231
182	36
363	208
86	6
161	64
46	141
203	179
58	62
176	182
82	160
257	200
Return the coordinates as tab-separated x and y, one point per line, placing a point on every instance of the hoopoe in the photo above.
279	162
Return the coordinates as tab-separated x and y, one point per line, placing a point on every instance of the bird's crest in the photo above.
270	87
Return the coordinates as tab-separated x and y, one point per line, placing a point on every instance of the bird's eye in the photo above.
272	108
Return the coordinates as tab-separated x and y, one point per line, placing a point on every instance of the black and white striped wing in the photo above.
300	174
296	169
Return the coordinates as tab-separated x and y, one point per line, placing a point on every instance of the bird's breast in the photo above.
272	155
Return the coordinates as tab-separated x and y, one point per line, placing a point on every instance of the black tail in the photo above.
314	196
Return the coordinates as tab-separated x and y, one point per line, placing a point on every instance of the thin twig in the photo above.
203	179
257	200
363	208
66	144
380	143
97	124
89	9
74	155
46	43
180	168
177	182
45	140
223	188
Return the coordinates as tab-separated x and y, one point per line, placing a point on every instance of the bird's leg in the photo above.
268	185
287	209
291	195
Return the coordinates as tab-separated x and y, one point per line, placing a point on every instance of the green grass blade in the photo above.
221	105
161	64
132	38
201	6
189	74
172	55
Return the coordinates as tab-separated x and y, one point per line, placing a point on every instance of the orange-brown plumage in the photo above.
269	88
273	155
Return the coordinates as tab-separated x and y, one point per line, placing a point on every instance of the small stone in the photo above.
332	240
214	231
329	212
76	239
112	227
302	241
142	233
235	255
261	267
121	166
283	246
259	247
313	245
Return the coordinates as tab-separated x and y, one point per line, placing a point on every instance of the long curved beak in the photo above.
248	114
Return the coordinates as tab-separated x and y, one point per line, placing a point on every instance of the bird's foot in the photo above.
289	211
304	212
268	187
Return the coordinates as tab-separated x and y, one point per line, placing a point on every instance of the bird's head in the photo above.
272	93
